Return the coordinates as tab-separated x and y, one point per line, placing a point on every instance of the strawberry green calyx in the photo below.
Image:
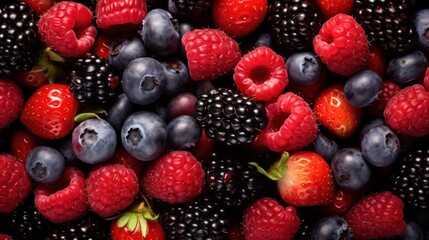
137	217
51	62
277	170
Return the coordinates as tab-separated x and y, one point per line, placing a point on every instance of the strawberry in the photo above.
303	179
376	61
377	216
49	112
237	17
102	44
138	223
11	101
344	200
22	142
34	78
267	219
39	6
335	113
331	8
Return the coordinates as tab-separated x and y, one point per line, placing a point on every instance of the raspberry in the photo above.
67	28
5	237
210	53
408	111
261	74
64	200
15	184
342	45
111	188
11	101
291	124
176	177
426	79
120	15
390	89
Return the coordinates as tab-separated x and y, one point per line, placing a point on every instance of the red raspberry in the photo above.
377	216
120	15
426	79
122	157
176	177
15	184
342	45
111	188
390	89
261	74
210	53
64	200
267	219
291	124
67	28
5	237
11	101
408	111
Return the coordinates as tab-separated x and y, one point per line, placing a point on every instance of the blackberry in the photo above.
229	116
232	180
387	23
411	181
293	24
192	6
202	218
92	79
19	40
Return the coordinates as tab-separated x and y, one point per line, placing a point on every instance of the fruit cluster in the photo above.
214	119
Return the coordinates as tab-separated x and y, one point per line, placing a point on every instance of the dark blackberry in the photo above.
293	24
192	6
232	180
19	40
387	23
202	218
92	79
229	116
411	180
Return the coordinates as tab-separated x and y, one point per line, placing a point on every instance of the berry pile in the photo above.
214	119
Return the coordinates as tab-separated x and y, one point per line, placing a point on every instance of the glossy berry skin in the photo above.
332	227
413	231
363	88
22	142
94	141
11	102
331	8
407	68
144	135
112	16
45	164
143	80
39	6
380	146
325	146
421	23
118	111
49	112
183	132
177	76
350	169
123	51
304	68
182	104
160	32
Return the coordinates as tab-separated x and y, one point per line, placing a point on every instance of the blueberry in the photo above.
143	80
177	76
350	169
124	50
304	68
118	111
64	146
45	164
380	146
160	32
183	132
144	135
325	146
94	141
182	104
413	231
421	25
407	68
375	122
363	88
331	228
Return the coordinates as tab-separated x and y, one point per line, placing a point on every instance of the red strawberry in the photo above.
267	219
11	101
122	157
22	142
102	44
303	179
344	200
64	200
342	45
111	188
261	74
237	17
390	89
377	216
291	124
176	177
138	224
34	78
15	184
335	113
49	112
210	53
39	6
376	62
408	111
331	8
67	28
120	15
